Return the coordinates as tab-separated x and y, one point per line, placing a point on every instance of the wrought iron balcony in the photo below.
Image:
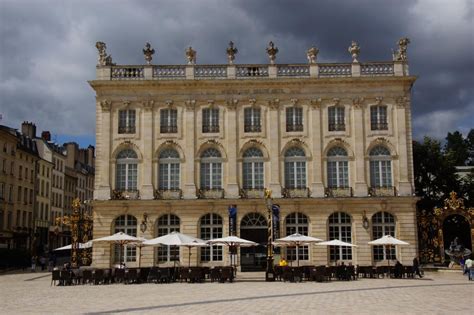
126	129
337	127
168	194
214	193
125	194
336	192
294	127
210	128
303	192
379	126
168	129
252	128
382	192
251	193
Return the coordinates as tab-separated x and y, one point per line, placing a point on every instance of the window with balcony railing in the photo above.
294	119
210	120
378	118
168	121
336	117
126	121
252	120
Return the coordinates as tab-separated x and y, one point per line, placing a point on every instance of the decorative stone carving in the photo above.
169	103
378	100
231	52
294	101
105	105
148	53
103	59
232	104
126	103
190	104
358	102
336	101
312	54
148	105
274	104
354	50
191	55
401	53
401	101
211	103
316	103
272	51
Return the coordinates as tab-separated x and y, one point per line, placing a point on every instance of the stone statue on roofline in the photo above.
103	59
272	51
401	53
148	53
354	50
191	55
231	52
312	54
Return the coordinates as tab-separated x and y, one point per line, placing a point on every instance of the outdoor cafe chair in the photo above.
143	275
55	276
226	273
65	277
153	275
131	276
165	275
408	271
99	276
215	274
87	276
196	275
119	276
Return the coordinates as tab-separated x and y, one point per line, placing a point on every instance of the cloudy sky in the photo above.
48	49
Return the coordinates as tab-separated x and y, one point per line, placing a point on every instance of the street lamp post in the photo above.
270	272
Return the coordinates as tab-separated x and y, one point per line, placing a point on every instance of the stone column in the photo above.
146	191
360	189
232	189
104	133
273	119
189	133
404	183
317	186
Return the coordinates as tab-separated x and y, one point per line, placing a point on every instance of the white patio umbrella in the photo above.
119	238
388	240
81	246
335	243
177	239
231	241
297	240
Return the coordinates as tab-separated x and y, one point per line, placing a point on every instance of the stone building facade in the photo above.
178	145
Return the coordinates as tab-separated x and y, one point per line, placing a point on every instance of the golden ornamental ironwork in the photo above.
453	202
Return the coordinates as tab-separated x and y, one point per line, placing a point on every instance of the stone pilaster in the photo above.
189	131
274	144
104	130
317	186
405	187
360	189
146	191
232	189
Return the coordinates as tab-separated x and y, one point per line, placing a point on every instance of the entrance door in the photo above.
456	227
253	227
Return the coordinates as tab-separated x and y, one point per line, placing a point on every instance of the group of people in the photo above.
41	261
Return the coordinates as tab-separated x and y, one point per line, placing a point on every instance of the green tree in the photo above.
470	144
457	148
435	174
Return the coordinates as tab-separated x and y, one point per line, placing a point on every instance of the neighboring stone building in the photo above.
177	145
20	180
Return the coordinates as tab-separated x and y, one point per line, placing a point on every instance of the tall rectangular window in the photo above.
378	118
252	120
126	121
210	120
294	119
336	118
168	121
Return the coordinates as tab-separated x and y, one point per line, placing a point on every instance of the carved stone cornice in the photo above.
316	103
148	105
274	104
401	101
232	104
358	102
105	105
190	105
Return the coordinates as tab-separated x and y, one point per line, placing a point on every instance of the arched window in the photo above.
297	223
211	169
127	170
295	168
252	220
166	224
252	169
126	224
340	229
168	170
383	223
210	228
338	168
380	167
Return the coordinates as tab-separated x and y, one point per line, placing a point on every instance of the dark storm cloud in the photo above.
48	54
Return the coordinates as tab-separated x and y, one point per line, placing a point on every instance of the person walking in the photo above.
416	267
33	264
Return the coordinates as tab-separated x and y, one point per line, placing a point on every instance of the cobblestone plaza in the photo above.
436	293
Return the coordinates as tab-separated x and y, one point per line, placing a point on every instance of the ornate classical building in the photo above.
177	145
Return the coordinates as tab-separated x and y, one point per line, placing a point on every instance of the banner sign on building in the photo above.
232	220
276	221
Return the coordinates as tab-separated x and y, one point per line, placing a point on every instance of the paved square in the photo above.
437	293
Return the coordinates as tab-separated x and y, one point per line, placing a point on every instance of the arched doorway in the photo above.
456	226
253	227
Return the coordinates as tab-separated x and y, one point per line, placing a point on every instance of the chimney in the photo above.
90	155
28	129
46	136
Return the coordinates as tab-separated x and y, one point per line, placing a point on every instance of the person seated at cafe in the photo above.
398	270
283	262
67	266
